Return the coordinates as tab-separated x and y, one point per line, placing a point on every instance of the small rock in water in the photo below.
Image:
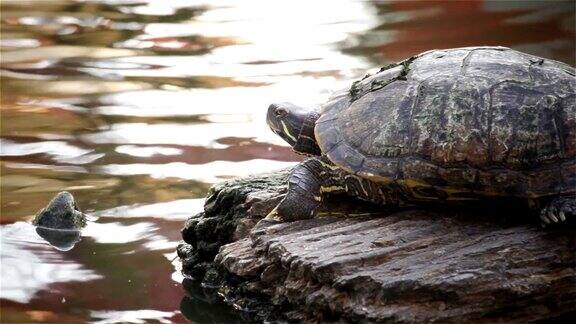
60	222
61	213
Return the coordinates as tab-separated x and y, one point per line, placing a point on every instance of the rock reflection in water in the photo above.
63	240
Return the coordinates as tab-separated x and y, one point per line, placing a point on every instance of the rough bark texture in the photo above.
401	266
231	210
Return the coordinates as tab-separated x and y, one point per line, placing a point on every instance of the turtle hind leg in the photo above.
304	194
559	210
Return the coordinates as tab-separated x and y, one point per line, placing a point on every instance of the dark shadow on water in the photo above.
202	305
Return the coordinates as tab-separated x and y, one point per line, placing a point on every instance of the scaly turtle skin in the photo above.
445	125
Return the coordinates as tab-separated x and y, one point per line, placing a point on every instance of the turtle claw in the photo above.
562	216
267	223
270	220
273	216
551	215
545	220
263	226
559	210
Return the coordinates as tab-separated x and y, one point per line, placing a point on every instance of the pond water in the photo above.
138	106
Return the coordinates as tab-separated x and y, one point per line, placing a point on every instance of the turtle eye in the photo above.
280	112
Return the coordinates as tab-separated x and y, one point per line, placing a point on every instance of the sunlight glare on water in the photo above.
138	106
29	265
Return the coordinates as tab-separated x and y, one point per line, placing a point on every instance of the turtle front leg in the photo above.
559	210
304	194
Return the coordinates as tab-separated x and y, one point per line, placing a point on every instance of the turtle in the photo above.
61	213
60	222
451	125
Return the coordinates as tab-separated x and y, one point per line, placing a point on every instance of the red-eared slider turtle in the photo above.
445	125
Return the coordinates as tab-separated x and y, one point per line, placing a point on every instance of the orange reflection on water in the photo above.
545	28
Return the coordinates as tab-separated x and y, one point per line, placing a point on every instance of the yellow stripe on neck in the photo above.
287	132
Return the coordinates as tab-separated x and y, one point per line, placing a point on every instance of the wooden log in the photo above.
413	265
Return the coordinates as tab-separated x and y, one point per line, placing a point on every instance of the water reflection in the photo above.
202	305
173	210
63	240
138	106
131	316
544	28
60	151
210	172
29	265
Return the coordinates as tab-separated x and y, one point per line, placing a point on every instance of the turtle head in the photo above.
295	125
61	213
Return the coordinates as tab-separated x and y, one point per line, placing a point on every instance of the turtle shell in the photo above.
477	120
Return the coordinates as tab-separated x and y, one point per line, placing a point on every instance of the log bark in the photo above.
356	262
